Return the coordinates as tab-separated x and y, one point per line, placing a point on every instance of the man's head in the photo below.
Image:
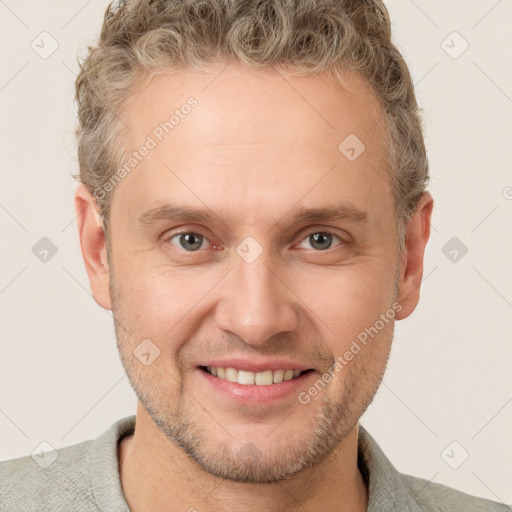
259	168
306	37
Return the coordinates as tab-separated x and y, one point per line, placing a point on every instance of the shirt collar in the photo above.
386	489
105	478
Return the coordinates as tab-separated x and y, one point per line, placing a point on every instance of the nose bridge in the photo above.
257	305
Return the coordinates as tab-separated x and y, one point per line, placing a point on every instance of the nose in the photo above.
256	303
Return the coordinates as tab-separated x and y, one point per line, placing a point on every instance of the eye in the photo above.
321	240
189	241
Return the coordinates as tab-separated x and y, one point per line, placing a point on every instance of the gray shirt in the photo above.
85	477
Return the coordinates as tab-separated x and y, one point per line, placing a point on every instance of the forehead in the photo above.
265	100
250	131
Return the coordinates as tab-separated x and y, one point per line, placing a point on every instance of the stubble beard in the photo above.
240	460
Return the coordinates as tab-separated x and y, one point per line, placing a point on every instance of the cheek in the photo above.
164	304
345	301
149	292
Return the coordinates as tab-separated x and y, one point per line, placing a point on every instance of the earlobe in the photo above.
417	235
93	246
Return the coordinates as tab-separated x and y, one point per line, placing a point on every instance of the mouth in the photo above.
248	378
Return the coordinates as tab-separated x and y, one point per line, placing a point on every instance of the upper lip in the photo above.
256	365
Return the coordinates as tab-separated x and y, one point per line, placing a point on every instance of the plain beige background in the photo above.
449	377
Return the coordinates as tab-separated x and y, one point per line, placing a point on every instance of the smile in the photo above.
247	378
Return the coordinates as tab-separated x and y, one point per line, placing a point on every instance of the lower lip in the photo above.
257	394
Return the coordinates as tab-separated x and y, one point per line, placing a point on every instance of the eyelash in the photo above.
307	235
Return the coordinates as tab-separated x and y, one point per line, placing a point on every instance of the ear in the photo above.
92	242
416	238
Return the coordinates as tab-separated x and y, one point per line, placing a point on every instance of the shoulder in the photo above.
83	476
434	497
57	480
390	489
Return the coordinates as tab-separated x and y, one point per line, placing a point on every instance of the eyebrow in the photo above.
173	212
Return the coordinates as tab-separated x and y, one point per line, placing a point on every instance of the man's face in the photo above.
253	286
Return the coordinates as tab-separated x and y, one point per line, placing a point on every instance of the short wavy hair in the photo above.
140	37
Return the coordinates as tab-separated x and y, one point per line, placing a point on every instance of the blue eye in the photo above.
189	241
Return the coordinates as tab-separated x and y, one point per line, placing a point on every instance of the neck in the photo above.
158	475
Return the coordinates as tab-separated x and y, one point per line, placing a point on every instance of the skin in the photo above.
258	146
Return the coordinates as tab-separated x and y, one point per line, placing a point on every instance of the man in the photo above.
253	210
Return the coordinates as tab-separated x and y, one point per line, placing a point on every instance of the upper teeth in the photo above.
247	378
